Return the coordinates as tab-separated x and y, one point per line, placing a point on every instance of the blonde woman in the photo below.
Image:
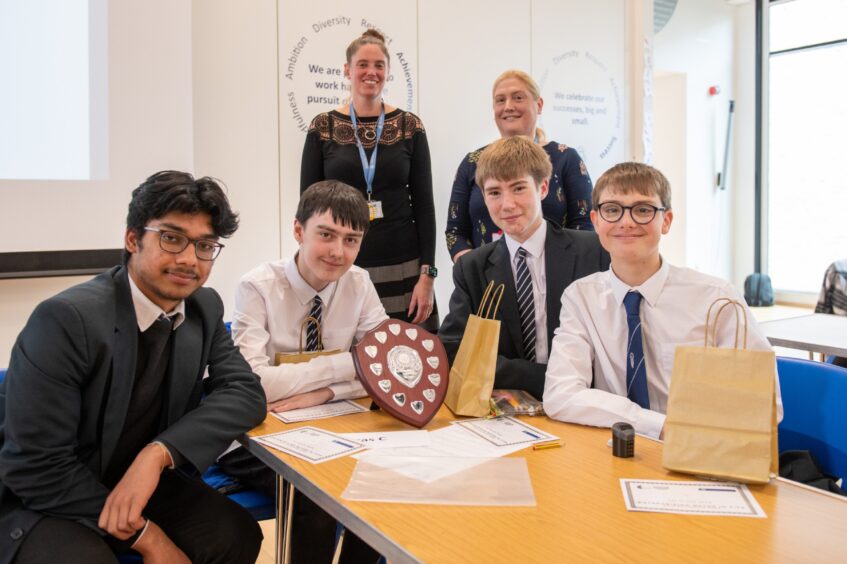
517	104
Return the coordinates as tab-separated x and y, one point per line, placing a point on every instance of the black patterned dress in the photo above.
397	244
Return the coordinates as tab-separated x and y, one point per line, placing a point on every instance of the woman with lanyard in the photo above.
382	151
517	104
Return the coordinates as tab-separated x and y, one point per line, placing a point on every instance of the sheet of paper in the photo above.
310	443
690	498
323	411
452	449
506	431
391	439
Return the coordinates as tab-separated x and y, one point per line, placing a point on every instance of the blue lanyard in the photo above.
369	168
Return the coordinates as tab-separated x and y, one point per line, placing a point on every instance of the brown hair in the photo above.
370	37
633	177
533	89
347	205
513	157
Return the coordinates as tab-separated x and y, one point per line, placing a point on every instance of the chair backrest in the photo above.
814	398
2	374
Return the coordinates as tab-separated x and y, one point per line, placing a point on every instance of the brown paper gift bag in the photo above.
304	356
472	373
721	419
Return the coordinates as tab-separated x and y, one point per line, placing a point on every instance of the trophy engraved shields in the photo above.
404	370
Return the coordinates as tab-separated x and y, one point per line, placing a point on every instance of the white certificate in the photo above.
310	443
323	411
391	439
505	431
690	498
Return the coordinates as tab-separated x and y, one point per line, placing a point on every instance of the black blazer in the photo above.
67	389
568	255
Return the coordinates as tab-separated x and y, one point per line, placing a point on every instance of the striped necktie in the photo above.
636	370
526	304
312	330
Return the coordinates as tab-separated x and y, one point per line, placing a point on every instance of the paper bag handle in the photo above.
488	299
713	323
304	327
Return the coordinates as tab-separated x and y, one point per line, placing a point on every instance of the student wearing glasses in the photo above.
613	352
121	390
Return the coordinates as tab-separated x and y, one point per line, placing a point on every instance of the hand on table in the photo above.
299	401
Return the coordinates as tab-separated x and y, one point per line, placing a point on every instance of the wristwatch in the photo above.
429	270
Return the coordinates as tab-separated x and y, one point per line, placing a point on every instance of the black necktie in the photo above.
526	304
636	371
313	329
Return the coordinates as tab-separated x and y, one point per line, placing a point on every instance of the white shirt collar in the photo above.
304	292
146	312
650	290
534	245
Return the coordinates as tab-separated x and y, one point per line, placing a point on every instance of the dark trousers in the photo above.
206	525
313	529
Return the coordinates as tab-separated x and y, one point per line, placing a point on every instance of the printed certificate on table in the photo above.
391	439
691	498
505	431
323	411
310	443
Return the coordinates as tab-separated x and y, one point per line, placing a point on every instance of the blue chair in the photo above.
814	396
259	505
2	374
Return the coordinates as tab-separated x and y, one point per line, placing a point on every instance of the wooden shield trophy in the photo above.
404	369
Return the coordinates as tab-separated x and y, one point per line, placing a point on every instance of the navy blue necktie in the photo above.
636	371
526	304
313	329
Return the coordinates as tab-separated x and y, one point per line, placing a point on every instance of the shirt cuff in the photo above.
348	390
176	458
138	534
650	423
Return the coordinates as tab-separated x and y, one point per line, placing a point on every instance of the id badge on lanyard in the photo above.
369	167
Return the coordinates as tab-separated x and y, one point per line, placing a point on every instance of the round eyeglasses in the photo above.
176	242
640	213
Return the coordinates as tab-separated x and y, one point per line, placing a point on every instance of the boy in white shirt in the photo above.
271	303
613	351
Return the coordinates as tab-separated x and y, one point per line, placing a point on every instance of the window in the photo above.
807	152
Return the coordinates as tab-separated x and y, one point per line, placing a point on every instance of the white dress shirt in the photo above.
534	247
590	344
271	302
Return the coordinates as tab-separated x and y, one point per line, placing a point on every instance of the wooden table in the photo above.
817	333
580	515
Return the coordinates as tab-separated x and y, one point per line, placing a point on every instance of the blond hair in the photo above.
633	177
369	37
534	91
513	157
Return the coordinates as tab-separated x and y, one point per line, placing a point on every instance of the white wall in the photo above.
670	151
699	42
236	127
